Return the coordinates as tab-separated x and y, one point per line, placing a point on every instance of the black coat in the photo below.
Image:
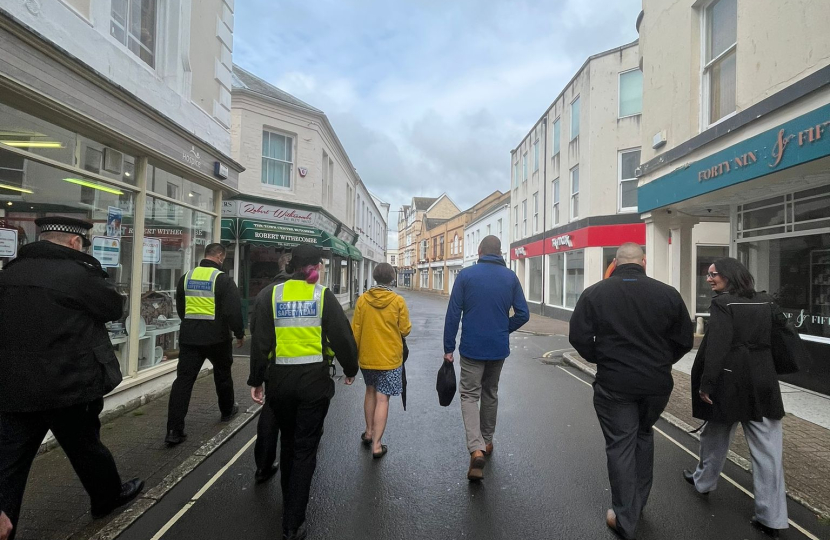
634	328
734	363
228	313
54	347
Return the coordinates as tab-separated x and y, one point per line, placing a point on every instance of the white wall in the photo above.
82	29
480	226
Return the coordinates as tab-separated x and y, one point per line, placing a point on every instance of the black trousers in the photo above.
267	433
299	398
191	358
626	421
78	430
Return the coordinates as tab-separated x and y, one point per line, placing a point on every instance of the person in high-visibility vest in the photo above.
289	366
209	304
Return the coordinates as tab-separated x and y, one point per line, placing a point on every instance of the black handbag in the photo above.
446	384
788	351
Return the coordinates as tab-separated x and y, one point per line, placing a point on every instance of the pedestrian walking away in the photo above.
734	380
57	364
290	374
267	428
481	299
380	322
210	307
634	329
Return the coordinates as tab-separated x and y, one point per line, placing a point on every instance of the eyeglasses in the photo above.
711	275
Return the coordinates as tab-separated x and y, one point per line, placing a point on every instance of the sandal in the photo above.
383	450
365	440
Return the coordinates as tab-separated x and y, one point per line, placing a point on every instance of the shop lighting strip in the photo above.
93	185
34	144
21	190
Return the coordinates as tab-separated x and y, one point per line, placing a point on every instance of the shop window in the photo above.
182	234
631	93
29	133
534	278
133	24
185	191
628	162
556	275
277	161
30	189
608	256
719	70
574	277
706	255
438	280
555	197
424	279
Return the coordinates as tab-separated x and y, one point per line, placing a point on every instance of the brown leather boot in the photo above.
477	463
488	450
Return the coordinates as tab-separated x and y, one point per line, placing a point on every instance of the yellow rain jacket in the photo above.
380	320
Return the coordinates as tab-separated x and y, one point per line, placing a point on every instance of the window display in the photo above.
556	272
575	276
536	274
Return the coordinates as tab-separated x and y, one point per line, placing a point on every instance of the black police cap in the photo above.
66	225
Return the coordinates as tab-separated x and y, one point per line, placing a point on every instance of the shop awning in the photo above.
264	233
336	245
354	253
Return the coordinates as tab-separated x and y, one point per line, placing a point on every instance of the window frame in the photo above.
574	194
706	67
557	137
576	101
556	207
128	35
619	94
620	179
524	167
290	137
524	218
535	212
536	156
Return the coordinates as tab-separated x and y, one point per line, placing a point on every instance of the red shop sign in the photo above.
595	236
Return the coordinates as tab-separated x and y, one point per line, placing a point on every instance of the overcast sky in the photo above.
428	96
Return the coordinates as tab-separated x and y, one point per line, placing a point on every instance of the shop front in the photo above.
774	187
260	237
154	206
555	269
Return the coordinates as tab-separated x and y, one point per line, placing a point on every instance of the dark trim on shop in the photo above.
780	99
592	221
557	313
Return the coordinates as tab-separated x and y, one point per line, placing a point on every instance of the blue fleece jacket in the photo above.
482	297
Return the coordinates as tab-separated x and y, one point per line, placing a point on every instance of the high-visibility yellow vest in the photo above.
200	293
298	322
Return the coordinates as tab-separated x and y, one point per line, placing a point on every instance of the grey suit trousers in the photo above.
765	441
626	421
479	383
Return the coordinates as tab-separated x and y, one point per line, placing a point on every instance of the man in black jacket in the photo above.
210	307
57	363
296	375
634	329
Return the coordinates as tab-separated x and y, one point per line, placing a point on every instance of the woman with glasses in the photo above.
734	380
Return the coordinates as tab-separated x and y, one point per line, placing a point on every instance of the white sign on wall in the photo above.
107	250
8	242
151	254
278	214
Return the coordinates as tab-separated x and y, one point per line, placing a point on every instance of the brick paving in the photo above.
56	507
806	447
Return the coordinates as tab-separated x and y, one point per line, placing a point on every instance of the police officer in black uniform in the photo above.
206	329
57	363
296	378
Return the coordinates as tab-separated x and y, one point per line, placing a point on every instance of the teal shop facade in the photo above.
765	174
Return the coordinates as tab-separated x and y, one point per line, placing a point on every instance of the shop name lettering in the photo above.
806	317
285	237
279	213
560	241
520	252
804	137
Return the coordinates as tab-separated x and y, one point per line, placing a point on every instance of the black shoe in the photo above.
297	534
262	475
174	437
129	491
234	410
769	531
689	476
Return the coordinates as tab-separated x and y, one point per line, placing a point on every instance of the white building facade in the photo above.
118	112
493	221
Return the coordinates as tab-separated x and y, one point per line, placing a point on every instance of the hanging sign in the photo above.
107	250
114	216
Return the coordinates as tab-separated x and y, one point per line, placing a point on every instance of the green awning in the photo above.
336	245
354	253
264	233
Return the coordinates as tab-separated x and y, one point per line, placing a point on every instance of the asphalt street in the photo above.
546	479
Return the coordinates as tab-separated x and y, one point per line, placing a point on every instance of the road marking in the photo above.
795	525
552	353
202	491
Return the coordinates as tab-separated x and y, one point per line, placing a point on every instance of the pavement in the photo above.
546	478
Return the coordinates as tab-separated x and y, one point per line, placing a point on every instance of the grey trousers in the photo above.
626	421
766	442
479	382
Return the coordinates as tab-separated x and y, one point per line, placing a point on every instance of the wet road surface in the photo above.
546	479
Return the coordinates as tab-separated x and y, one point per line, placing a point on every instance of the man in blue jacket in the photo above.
482	296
